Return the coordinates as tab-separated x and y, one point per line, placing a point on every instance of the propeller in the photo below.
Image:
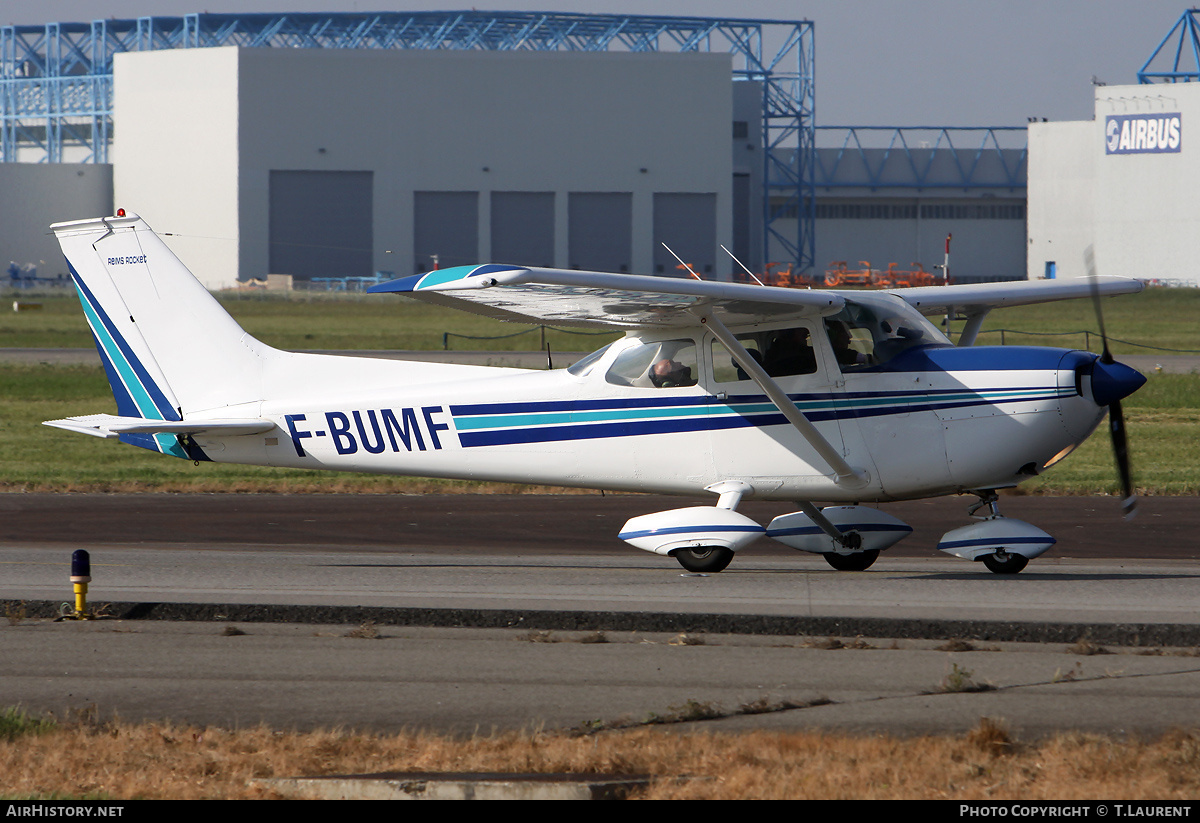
1107	380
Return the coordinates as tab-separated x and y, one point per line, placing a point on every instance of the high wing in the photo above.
623	301
595	299
972	298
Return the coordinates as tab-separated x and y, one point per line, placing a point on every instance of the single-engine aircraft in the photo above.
844	397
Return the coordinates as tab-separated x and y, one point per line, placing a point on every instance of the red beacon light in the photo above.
120	212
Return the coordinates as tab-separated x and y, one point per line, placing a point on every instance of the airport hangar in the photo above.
355	155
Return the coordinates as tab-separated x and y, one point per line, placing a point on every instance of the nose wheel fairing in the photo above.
996	535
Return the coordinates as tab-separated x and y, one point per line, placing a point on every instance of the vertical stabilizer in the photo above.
168	346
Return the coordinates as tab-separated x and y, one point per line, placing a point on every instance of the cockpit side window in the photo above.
663	364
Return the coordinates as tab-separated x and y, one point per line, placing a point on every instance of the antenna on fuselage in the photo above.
685	265
743	265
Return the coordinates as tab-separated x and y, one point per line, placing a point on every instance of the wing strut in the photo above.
845	476
970	331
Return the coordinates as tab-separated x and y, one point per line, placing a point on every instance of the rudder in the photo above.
168	347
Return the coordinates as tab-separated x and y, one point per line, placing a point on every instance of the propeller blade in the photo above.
1116	427
1116	417
1089	262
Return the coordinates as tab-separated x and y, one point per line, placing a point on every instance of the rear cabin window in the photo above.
781	353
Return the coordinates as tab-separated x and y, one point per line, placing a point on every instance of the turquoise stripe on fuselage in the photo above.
493	421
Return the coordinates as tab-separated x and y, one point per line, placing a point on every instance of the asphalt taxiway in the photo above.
477	612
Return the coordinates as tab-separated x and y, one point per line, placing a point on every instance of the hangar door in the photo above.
445	229
687	223
321	223
523	228
600	231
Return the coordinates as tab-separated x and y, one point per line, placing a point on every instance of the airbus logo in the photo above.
1143	133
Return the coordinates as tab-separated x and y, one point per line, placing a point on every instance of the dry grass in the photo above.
120	761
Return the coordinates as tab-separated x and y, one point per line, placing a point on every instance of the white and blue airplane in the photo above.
843	397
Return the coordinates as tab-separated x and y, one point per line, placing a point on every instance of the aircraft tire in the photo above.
704	559
857	562
1005	563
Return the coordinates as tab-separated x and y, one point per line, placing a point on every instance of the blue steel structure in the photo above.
56	80
1183	57
981	157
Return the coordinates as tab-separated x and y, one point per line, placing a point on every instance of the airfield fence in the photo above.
1087	339
541	330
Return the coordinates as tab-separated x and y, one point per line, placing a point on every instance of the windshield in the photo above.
584	364
872	329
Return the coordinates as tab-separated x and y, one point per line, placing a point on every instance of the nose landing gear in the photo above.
1003	544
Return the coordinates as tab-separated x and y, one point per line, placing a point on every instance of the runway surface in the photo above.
485	611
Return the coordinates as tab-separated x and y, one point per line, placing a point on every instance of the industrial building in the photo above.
345	145
1126	182
570	140
318	162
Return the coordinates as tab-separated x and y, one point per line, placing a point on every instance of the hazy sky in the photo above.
879	62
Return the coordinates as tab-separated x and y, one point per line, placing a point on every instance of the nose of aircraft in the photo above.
1113	381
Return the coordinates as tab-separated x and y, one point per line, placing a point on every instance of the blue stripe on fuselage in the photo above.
535	424
122	354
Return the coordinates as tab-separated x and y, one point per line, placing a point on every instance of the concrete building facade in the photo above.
38	194
346	162
1126	182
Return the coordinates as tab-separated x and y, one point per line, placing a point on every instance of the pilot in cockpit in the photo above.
670	374
840	337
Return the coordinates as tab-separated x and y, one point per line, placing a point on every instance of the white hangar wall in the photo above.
262	158
1137	202
175	153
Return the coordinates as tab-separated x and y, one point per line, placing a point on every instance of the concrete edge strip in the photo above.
1121	634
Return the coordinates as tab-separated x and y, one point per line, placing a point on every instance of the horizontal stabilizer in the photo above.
112	426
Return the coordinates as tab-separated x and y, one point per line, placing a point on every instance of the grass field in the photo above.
1162	417
1155	320
316	321
121	761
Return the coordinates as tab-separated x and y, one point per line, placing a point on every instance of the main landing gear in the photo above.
704	559
853	562
702	538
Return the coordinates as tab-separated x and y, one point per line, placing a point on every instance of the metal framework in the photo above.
922	157
1184	57
56	80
